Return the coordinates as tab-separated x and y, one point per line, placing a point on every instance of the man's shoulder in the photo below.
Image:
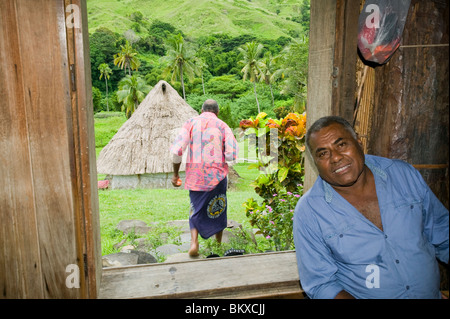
221	123
214	118
314	197
390	166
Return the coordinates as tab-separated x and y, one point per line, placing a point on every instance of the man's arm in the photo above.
317	268
177	149
176	169
231	147
344	295
436	221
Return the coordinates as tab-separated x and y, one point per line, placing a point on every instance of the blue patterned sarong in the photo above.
209	210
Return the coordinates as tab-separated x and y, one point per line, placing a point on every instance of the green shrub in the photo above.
280	184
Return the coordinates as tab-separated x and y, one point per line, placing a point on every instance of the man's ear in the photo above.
359	141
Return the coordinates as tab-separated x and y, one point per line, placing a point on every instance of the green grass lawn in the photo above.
161	205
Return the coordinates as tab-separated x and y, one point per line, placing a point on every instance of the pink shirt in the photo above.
211	144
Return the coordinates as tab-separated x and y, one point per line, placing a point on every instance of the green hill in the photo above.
268	19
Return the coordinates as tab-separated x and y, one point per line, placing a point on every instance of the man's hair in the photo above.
210	106
325	122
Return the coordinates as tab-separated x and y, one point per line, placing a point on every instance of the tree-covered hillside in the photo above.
249	55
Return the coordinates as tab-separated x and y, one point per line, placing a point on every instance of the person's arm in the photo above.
436	221
177	149
176	169
316	266
344	295
231	147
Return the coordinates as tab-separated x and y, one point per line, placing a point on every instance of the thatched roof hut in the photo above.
138	155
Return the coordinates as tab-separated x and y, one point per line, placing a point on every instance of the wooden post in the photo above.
48	196
332	64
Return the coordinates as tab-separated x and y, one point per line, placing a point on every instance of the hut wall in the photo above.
411	97
152	181
49	243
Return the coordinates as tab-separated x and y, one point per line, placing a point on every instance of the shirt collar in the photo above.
372	165
208	114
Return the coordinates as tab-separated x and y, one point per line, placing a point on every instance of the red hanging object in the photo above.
381	25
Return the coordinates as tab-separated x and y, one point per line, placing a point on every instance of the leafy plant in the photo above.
274	221
240	239
280	182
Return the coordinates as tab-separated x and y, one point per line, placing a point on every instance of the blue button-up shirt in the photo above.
339	249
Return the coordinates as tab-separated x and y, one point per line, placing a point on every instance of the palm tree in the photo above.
180	60
126	58
132	90
105	71
270	71
200	65
295	71
253	66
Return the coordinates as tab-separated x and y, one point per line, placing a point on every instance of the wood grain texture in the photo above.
411	97
248	276
45	174
20	266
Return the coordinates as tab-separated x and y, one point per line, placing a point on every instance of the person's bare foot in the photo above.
193	252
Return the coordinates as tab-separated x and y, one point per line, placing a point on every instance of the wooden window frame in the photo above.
248	276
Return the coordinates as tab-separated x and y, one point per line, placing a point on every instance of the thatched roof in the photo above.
141	146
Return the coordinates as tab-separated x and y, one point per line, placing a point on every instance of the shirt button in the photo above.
397	261
341	235
407	287
412	206
385	236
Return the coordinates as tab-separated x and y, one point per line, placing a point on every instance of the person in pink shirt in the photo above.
207	144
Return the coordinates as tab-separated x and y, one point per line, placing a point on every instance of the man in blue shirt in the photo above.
370	227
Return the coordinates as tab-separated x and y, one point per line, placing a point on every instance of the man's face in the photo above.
338	155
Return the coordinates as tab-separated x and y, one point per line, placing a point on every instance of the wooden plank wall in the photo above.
411	97
42	224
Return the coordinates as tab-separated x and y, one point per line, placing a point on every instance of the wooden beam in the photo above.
83	168
320	68
345	58
249	276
